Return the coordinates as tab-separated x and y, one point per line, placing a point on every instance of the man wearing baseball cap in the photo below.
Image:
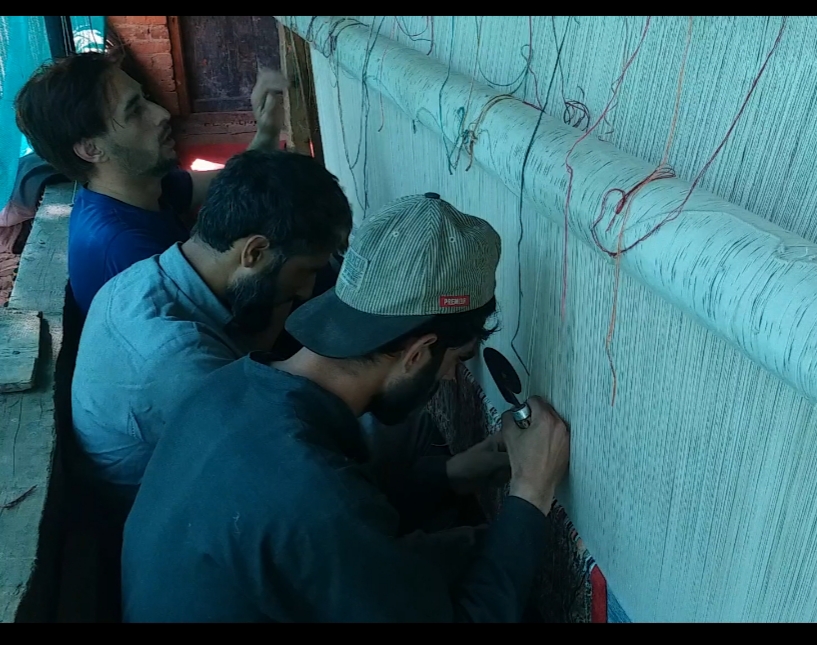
261	506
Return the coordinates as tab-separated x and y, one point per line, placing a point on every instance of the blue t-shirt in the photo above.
106	236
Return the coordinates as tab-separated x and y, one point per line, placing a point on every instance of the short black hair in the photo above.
287	197
452	330
63	103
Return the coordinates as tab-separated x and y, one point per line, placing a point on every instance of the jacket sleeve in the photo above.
344	565
415	482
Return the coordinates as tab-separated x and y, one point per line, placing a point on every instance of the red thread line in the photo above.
661	171
617	86
677	211
430	21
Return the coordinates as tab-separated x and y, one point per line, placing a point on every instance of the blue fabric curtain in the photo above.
23	48
89	33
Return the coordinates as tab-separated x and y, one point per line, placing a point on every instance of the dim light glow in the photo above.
203	164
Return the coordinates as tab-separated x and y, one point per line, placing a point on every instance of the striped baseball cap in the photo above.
416	258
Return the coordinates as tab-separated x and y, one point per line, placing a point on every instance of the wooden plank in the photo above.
215	123
295	129
19	349
28	428
311	99
179	72
43	273
27	450
300	104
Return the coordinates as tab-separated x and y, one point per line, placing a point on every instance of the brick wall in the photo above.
147	39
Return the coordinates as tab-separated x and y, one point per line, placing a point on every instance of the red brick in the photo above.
161	72
159	66
144	20
133	33
169	101
161	61
159	32
166	85
162	76
145	47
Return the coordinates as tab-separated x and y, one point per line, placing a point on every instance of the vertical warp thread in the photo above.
673	546
559	45
569	168
660	172
677	211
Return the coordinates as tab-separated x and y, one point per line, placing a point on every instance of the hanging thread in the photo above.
380	75
677	211
661	171
364	116
559	46
569	168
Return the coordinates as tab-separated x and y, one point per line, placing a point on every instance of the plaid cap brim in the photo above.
329	327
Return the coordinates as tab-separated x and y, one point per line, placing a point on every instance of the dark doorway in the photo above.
221	57
215	61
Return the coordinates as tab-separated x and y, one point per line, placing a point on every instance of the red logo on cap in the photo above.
455	301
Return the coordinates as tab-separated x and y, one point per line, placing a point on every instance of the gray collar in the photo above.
211	310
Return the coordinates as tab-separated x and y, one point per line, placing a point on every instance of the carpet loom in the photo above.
652	181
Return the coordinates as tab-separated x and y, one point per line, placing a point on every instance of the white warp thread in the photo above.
694	493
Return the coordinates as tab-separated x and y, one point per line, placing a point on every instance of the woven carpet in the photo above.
570	588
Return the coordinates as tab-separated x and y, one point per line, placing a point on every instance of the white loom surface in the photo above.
697	492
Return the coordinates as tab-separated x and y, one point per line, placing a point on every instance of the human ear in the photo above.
88	150
252	251
418	353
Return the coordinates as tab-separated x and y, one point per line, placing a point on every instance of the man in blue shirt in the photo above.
93	123
262	506
268	226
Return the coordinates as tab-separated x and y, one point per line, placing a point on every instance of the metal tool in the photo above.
509	385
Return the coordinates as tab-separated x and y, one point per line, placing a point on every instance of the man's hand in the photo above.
539	454
267	101
483	464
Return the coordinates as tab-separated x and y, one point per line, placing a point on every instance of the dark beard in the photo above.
395	405
253	299
164	166
142	164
